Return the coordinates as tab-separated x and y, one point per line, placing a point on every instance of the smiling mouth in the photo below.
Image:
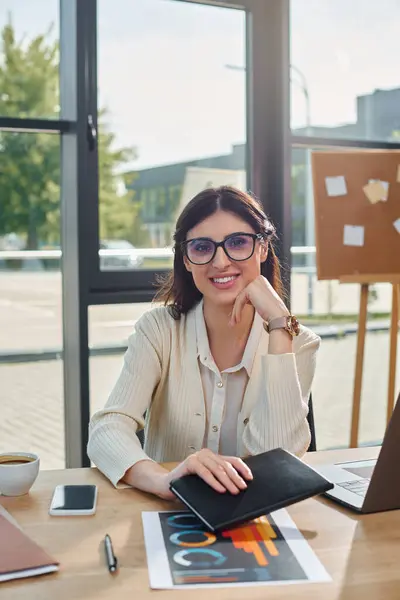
225	279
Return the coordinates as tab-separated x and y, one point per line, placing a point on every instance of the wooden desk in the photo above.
361	553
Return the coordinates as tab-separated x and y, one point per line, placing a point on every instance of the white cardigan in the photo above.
161	375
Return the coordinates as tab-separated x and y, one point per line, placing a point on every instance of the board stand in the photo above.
365	281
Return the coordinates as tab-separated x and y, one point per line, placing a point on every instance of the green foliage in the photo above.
30	163
29	186
28	76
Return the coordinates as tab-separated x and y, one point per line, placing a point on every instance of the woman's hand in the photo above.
222	473
263	297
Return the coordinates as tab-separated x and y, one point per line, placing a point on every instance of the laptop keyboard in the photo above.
359	486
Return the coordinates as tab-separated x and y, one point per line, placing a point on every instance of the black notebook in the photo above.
279	479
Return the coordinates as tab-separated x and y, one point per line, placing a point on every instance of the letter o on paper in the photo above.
216	559
182	521
176	538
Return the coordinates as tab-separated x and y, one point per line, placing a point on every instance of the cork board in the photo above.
355	236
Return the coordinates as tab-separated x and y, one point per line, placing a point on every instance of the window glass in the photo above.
344	85
174	126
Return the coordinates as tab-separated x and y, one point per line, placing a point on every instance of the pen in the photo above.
112	561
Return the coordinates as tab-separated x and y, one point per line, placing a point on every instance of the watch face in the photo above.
293	325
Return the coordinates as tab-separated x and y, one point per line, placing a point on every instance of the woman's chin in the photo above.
222	297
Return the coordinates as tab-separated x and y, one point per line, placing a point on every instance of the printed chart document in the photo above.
270	550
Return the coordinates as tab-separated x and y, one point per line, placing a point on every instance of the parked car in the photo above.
128	259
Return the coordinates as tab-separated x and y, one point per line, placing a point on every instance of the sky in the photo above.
162	67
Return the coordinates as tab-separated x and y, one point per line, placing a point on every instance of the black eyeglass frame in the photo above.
254	236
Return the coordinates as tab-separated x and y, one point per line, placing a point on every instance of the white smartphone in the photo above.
69	500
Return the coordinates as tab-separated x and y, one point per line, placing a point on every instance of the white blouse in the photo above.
224	391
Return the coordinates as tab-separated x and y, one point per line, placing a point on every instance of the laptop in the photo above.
369	486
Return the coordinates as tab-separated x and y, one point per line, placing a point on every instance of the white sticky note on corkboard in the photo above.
336	186
353	235
396	225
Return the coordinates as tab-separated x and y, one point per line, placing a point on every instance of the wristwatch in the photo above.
289	324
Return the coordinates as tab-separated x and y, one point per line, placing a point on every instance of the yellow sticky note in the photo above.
385	187
375	192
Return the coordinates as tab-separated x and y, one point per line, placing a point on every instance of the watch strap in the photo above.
288	323
278	323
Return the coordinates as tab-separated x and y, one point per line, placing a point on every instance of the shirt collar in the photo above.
203	347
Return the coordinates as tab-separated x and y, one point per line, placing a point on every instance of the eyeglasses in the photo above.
237	246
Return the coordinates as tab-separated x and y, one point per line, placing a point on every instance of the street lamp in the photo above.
235	67
304	88
302	84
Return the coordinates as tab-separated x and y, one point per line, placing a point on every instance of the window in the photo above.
30	297
333	390
331	309
109	329
343	84
29	59
174	126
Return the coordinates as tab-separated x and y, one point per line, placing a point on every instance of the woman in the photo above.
222	370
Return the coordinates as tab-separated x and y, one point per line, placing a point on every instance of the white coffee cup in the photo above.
18	472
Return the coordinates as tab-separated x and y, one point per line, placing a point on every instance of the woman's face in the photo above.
221	280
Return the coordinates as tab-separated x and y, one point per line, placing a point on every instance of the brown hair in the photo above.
178	290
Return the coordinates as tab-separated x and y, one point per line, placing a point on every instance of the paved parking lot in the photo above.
31	309
31	394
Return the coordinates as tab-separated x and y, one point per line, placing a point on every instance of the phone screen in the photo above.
74	497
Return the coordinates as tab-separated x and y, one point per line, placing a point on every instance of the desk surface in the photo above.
361	553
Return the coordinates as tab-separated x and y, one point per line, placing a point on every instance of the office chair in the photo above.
140	435
310	419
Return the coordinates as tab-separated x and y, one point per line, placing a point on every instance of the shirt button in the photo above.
246	421
220	384
198	414
215	428
193	448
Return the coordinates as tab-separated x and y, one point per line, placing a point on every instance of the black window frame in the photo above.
268	162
